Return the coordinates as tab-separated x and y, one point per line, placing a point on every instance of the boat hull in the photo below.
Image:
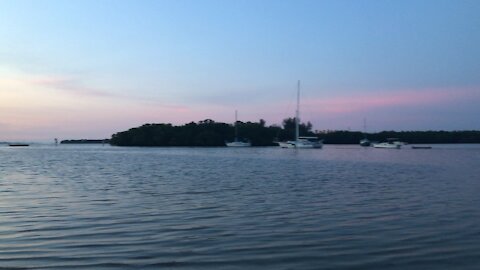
387	145
286	145
316	146
365	142
301	144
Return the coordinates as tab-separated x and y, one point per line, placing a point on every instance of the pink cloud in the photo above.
402	98
67	84
102	119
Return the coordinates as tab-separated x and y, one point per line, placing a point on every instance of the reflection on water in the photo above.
342	207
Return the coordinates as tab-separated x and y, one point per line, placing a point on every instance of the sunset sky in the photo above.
88	69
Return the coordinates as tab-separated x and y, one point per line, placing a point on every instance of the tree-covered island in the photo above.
211	133
208	133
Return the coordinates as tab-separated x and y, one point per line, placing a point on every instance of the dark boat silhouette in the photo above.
421	147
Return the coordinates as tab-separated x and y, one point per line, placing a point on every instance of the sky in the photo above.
88	69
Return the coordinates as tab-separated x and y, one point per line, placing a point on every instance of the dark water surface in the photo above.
341	207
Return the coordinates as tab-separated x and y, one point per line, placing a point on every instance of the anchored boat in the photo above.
301	142
237	142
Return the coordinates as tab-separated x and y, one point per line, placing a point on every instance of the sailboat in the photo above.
304	141
237	142
365	141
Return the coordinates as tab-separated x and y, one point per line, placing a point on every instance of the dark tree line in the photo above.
211	133
208	133
431	137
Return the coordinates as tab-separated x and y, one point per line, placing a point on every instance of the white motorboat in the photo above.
387	145
301	142
237	142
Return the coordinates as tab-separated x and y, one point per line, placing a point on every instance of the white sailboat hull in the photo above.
286	144
316	146
302	143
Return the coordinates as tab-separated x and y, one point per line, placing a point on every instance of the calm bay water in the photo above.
341	207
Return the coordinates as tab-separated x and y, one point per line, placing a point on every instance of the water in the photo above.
341	207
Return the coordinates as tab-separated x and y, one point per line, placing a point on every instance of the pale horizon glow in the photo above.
89	69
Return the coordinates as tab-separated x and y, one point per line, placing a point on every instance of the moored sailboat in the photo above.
301	142
365	142
237	142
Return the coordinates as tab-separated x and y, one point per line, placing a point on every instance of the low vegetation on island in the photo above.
211	133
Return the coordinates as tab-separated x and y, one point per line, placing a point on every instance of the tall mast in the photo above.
236	126
297	114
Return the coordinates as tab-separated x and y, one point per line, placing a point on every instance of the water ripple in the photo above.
262	208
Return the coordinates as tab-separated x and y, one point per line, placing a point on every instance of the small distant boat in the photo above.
387	145
392	143
421	147
18	144
301	142
237	142
365	142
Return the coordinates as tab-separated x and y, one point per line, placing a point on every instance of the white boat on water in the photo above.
301	142
237	142
387	145
392	143
365	142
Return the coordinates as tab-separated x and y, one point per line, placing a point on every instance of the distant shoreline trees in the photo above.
211	133
412	137
85	141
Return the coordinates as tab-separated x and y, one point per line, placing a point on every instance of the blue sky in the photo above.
80	69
